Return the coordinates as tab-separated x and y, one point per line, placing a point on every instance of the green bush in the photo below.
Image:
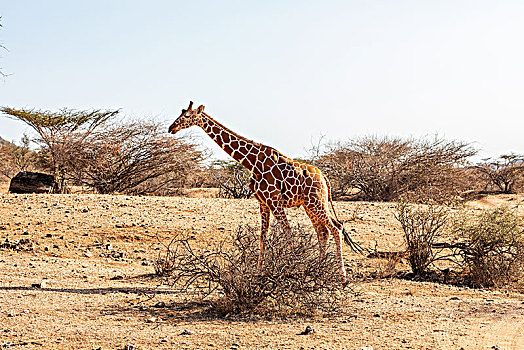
491	243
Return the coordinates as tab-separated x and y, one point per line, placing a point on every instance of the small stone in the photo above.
376	315
307	331
48	235
109	246
129	347
117	278
187	332
496	347
164	340
160	304
152	320
454	298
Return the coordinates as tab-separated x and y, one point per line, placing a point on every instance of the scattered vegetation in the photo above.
487	245
423	227
15	158
386	169
59	134
504	173
83	148
133	157
293	279
232	179
491	244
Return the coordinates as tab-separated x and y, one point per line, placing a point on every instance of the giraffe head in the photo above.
189	117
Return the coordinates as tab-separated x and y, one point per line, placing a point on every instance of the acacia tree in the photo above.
504	172
60	133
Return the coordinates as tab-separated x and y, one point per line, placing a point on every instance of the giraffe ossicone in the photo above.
277	182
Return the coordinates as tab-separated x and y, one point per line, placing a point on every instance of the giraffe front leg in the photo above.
264	216
278	211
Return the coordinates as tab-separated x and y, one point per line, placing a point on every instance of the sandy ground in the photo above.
91	257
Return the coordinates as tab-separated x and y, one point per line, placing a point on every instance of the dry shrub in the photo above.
503	174
385	168
294	279
133	157
423	227
491	244
16	158
232	179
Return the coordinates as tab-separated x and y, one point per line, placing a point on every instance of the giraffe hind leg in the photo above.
264	216
322	233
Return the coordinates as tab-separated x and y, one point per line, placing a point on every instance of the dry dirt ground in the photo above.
86	283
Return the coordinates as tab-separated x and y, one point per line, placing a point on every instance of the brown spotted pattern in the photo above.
278	182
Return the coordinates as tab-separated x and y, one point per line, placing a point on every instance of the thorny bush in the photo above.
294	279
491	245
422	226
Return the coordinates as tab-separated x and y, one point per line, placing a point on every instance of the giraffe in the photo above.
278	182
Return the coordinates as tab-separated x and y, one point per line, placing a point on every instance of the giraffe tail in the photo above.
357	248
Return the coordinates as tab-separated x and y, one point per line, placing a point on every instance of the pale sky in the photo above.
278	72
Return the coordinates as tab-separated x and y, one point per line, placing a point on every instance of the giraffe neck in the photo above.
238	147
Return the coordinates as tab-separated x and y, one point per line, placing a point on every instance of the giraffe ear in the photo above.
190	105
200	109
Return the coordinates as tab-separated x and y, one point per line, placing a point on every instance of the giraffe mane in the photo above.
225	128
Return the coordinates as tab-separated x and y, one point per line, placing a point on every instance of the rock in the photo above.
160	304
187	332
32	182
42	284
307	331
